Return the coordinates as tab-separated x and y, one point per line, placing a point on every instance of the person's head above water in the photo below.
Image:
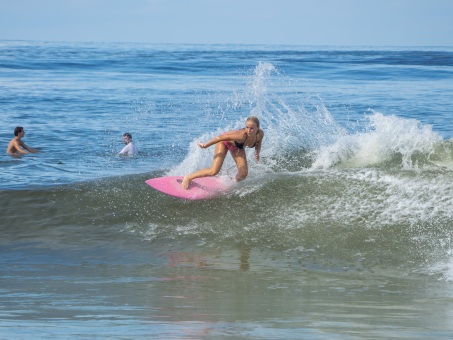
127	138
18	130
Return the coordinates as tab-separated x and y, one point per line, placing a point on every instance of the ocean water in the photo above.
343	230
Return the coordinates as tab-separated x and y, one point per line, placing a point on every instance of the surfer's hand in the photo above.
257	157
201	145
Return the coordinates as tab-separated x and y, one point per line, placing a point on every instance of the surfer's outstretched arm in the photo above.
224	137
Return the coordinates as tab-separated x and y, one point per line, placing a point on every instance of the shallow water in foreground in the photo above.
169	270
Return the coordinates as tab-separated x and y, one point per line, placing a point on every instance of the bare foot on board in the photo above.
185	182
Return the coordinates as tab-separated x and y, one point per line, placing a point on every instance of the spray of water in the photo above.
292	123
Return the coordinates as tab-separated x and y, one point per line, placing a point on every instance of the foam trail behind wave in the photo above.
384	138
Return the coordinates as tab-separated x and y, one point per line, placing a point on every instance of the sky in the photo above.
269	22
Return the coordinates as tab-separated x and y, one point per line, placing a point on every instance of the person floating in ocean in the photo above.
234	141
16	146
130	149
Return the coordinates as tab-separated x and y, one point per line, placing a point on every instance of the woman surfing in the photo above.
234	141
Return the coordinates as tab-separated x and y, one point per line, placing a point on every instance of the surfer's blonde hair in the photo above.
254	120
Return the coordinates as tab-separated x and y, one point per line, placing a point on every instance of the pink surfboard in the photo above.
199	188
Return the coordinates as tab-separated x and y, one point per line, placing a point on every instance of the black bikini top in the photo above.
240	145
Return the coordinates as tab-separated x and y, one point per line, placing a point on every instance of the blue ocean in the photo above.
343	230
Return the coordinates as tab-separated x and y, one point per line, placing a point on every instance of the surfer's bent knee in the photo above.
241	175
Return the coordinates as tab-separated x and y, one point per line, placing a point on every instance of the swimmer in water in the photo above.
16	146
130	149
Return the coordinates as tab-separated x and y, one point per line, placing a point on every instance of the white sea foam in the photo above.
383	138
